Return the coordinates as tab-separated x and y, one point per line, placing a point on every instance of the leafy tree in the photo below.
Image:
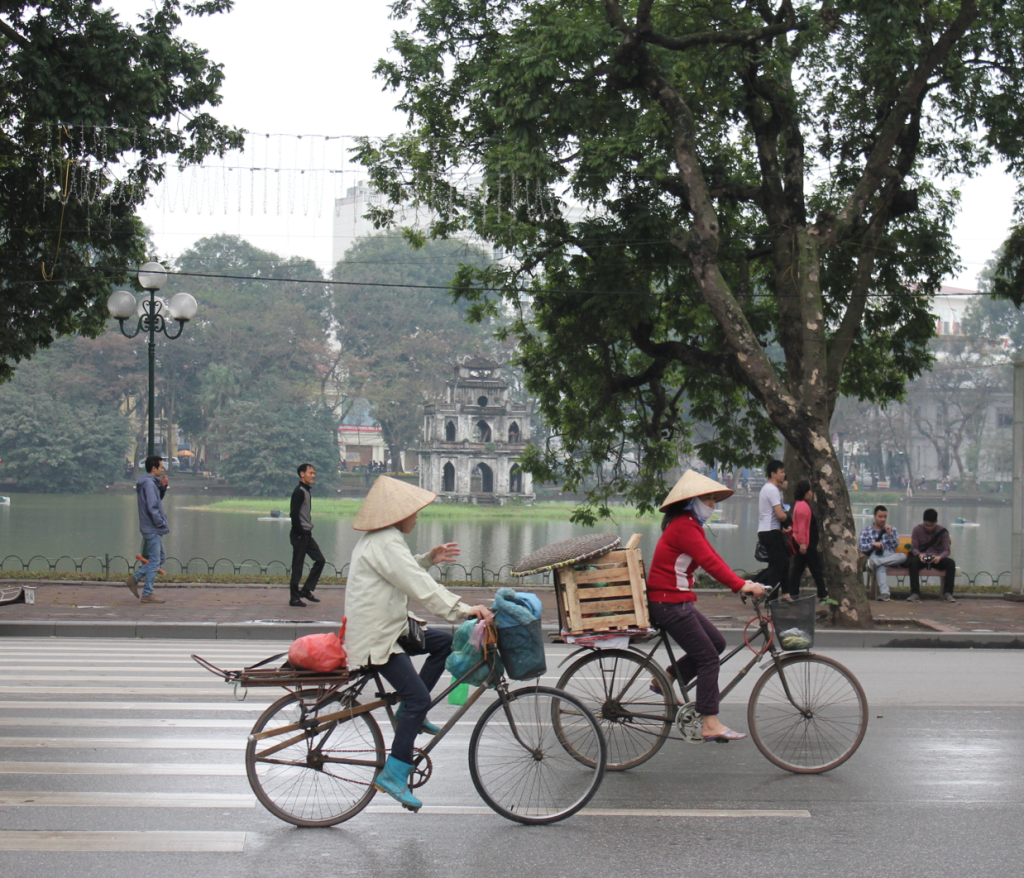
53	441
995	318
749	173
397	330
949	404
260	335
264	446
90	111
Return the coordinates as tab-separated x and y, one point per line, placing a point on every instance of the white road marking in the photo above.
124	768
93	799
136	842
122	722
183	743
248	705
191	692
476	810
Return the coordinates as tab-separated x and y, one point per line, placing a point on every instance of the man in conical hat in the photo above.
681	551
382	578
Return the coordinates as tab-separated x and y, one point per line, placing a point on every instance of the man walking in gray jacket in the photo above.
153	523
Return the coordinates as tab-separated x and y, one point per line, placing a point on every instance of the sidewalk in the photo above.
260	612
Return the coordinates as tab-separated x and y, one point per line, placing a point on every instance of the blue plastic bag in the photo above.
520	638
464	655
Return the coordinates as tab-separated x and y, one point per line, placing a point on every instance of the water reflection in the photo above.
79	525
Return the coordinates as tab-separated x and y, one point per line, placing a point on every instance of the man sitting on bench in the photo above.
929	548
879	541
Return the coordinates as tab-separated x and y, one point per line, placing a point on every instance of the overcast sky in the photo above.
304	67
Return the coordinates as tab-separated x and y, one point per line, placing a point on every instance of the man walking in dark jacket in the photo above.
153	524
302	540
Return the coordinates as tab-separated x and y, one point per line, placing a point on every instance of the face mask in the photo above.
701	510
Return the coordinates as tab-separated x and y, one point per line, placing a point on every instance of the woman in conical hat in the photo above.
383	576
682	549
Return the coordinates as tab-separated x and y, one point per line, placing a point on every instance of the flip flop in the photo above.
724	737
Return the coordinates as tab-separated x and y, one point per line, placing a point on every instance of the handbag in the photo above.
761	553
414	640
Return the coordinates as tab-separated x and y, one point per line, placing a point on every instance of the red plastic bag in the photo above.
319	652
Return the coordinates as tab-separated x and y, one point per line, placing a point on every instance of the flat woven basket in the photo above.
567	552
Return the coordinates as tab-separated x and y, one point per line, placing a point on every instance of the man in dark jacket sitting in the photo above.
930	547
302	540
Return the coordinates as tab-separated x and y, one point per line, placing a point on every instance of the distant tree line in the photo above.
274	361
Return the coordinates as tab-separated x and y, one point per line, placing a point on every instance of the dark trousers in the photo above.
415	688
811	561
777	570
914	564
702	642
303	545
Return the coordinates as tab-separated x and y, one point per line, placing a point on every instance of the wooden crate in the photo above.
611	596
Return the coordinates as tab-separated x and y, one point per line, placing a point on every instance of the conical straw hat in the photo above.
389	502
693	484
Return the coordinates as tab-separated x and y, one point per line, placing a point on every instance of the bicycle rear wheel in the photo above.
319	779
525	766
821	727
614	684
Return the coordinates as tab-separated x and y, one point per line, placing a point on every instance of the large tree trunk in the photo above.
838	530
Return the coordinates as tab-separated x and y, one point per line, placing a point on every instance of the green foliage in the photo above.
992	318
53	442
397	329
90	110
747	178
266	444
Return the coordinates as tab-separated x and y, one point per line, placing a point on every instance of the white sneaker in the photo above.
883	598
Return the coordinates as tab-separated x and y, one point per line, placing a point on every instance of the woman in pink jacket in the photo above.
681	551
805	536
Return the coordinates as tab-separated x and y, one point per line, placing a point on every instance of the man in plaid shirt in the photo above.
879	541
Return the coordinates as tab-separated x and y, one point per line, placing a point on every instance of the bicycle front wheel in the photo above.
819	725
615	685
525	764
316	779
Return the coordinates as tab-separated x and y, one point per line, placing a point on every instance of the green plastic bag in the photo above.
459	694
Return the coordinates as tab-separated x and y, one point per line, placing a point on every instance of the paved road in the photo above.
120	757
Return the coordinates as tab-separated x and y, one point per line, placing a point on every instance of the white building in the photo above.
473	438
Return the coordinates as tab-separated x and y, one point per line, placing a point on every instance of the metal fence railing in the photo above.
115	566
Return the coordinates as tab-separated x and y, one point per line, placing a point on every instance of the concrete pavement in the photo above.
261	612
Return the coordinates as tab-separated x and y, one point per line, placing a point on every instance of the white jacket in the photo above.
382	577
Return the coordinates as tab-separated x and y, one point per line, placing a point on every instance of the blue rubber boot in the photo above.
427	728
394	780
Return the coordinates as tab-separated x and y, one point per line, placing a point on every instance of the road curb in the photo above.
287	631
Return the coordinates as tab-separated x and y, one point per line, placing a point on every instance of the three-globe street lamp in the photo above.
152	313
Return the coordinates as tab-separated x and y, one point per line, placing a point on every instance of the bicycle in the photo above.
536	755
807	713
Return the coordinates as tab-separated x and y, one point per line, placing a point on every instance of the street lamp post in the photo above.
152	313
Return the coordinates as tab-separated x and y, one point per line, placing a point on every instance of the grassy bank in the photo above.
343	508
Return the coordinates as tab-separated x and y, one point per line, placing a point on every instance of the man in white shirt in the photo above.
773	525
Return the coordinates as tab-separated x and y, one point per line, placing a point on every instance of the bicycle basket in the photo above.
794	622
522	650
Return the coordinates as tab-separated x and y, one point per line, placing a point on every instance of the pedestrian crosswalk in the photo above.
117	745
93	728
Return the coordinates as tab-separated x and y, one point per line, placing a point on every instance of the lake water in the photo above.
78	525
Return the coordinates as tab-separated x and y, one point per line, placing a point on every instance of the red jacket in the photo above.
682	549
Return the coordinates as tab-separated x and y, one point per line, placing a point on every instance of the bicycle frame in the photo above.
387	700
763	632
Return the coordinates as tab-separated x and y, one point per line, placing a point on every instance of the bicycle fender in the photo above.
580	649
